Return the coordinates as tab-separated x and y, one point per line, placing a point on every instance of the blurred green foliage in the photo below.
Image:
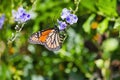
90	52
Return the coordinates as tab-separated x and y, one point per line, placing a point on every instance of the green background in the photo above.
91	50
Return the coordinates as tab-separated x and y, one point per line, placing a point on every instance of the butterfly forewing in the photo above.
39	37
34	38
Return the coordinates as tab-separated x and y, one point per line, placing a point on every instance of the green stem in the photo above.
14	35
77	5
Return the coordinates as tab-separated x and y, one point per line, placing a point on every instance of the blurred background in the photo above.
91	50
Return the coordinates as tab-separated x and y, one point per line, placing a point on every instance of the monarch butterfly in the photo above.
51	38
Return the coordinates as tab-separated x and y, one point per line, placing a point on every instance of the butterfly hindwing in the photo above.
53	41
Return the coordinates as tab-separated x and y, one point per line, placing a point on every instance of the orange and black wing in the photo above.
50	38
39	37
53	41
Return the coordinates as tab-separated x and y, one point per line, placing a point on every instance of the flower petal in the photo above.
2	19
65	13
20	15
61	25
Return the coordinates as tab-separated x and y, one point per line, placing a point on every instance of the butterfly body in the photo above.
51	38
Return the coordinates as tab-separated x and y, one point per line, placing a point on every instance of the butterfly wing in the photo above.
53	41
50	38
39	37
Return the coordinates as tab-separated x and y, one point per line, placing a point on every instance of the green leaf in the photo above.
89	4
99	63
4	72
117	24
103	26
110	44
87	24
107	7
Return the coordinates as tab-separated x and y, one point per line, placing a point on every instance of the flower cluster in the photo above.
2	19
21	15
68	19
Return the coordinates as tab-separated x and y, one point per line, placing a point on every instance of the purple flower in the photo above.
67	17
65	13
61	25
2	19
71	19
21	15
